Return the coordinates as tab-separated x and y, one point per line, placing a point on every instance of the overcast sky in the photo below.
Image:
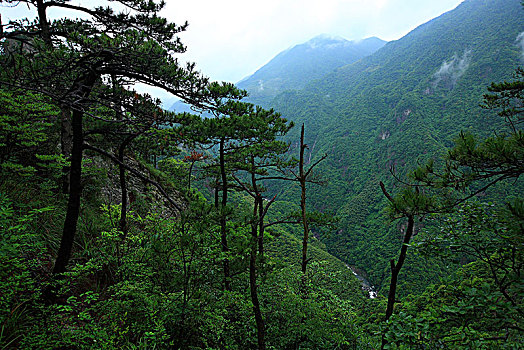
231	39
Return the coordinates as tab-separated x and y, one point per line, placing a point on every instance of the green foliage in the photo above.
319	321
22	271
466	312
26	122
159	283
387	110
482	307
330	273
479	306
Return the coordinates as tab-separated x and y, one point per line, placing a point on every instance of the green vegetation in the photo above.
106	242
125	226
398	108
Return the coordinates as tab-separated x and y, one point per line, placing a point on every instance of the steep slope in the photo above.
292	69
398	106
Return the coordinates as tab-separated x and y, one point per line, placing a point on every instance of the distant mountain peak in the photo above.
328	41
329	37
293	68
397	108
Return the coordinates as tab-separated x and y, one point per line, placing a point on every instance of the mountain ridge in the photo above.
296	66
293	68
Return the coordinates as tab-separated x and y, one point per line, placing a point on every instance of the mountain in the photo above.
295	67
399	106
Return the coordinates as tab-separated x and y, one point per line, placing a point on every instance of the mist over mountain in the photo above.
375	106
375	199
295	67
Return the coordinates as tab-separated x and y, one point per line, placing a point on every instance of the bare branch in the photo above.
388	196
315	164
243	186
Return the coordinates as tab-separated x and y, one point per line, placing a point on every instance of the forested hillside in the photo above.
235	226
107	242
396	108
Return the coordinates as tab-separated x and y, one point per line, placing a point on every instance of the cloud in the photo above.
450	72
520	43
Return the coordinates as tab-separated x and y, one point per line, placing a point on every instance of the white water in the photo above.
368	287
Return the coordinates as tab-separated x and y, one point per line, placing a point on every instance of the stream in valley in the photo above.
368	287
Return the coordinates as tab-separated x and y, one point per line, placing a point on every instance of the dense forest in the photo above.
396	109
233	226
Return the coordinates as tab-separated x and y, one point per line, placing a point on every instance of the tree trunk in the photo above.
66	144
44	24
223	221
75	192
123	188
255	234
66	133
257	241
302	181
189	176
395	270
254	297
261	215
83	86
123	185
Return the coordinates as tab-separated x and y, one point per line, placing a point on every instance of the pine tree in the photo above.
74	61
470	168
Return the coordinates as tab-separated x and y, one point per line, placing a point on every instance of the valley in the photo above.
348	194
